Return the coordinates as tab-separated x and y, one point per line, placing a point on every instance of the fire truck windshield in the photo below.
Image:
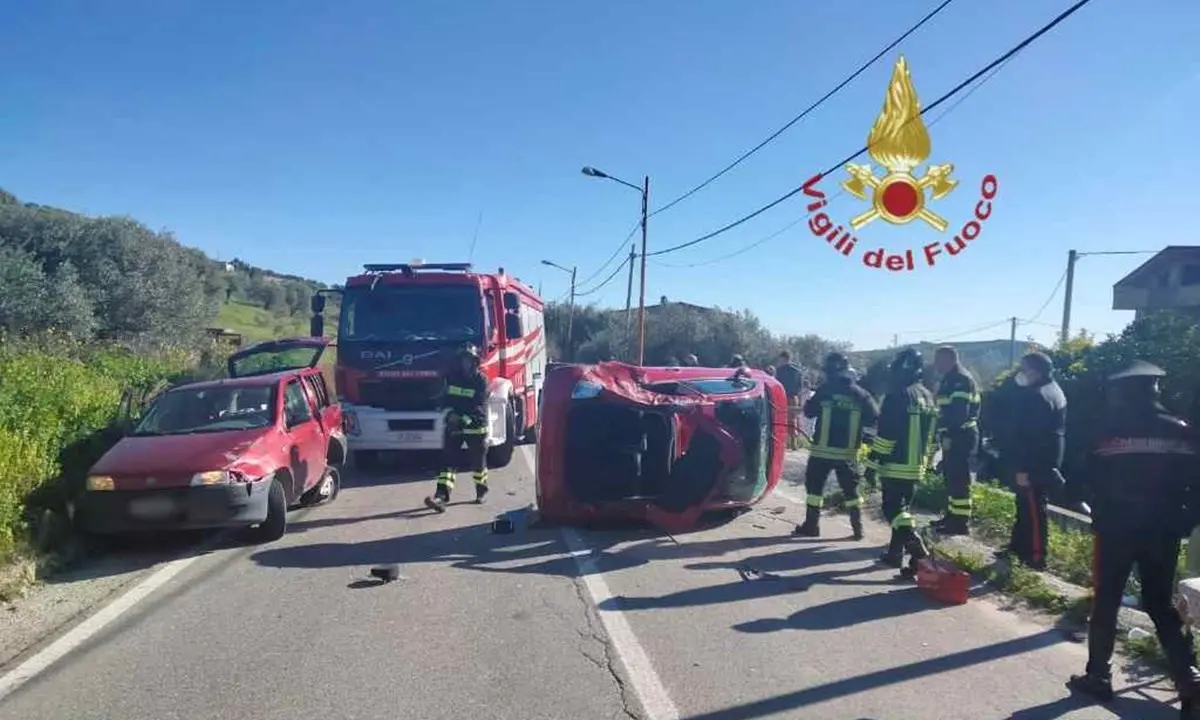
409	313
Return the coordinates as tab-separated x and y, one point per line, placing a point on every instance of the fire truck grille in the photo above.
410	394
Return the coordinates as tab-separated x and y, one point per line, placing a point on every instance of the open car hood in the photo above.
705	447
276	356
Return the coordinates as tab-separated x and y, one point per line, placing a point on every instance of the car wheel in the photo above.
325	491
501	455
275	525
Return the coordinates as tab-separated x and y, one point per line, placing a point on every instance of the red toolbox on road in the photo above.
944	581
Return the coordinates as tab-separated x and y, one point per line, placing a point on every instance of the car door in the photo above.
329	413
277	356
306	440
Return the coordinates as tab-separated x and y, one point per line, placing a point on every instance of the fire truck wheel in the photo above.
500	456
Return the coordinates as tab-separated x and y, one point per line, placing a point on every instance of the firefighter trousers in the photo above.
452	456
817	474
897	501
1113	558
1029	534
956	470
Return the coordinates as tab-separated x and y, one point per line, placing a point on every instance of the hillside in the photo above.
114	279
985	358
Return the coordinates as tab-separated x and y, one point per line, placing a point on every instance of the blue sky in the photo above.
311	137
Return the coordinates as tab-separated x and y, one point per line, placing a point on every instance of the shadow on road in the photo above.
845	612
1124	707
123	554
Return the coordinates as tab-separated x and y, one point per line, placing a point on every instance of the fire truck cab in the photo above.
400	329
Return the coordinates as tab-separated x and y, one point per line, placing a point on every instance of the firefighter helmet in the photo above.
908	366
836	365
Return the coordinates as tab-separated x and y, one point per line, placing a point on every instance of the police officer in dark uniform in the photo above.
900	453
843	410
958	433
1142	482
465	397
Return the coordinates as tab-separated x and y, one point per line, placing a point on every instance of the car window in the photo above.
209	409
295	404
721	386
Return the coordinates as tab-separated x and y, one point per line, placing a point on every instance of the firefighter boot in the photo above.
812	523
1095	683
894	557
856	525
481	488
441	498
951	525
916	552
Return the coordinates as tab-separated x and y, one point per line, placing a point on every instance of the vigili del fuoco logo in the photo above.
898	143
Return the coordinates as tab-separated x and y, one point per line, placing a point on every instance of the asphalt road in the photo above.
737	621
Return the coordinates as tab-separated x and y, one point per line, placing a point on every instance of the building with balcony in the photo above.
1168	281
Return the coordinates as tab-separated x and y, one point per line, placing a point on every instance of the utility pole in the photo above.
629	302
1065	336
895	341
571	318
641	355
1012	344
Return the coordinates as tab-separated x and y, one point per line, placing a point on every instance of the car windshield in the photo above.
748	419
412	313
210	409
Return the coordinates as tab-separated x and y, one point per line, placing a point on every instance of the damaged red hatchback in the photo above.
226	453
665	445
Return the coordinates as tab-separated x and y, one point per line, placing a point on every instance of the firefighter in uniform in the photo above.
843	410
1141	480
465	397
958	403
900	454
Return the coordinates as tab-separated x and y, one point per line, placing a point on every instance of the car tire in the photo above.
313	496
501	455
275	525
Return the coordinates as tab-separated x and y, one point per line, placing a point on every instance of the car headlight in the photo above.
212	477
585	389
100	483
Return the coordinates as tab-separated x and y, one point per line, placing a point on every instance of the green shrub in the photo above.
59	400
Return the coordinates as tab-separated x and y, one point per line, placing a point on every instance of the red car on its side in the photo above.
666	445
237	452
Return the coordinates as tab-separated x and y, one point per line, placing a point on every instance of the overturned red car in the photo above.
666	445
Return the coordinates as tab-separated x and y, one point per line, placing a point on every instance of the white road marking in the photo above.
646	685
87	629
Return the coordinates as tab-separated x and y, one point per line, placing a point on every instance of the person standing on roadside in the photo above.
1142	480
690	360
1039	423
958	433
791	376
843	411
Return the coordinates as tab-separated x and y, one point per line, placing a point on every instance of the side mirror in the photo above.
512	326
511	302
317	303
316	326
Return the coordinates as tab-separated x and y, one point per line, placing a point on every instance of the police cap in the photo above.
1138	369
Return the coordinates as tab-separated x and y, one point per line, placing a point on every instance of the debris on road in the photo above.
386	573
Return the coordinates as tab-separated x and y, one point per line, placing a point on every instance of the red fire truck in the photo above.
400	328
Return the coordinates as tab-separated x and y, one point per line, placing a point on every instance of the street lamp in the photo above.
645	193
570	307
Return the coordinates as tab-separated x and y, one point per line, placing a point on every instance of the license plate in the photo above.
409	438
151	508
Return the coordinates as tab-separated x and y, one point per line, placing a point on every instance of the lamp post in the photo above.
570	307
644	190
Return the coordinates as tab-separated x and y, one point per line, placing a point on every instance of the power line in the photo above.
954	91
1046	304
837	88
972	331
612	257
607	280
